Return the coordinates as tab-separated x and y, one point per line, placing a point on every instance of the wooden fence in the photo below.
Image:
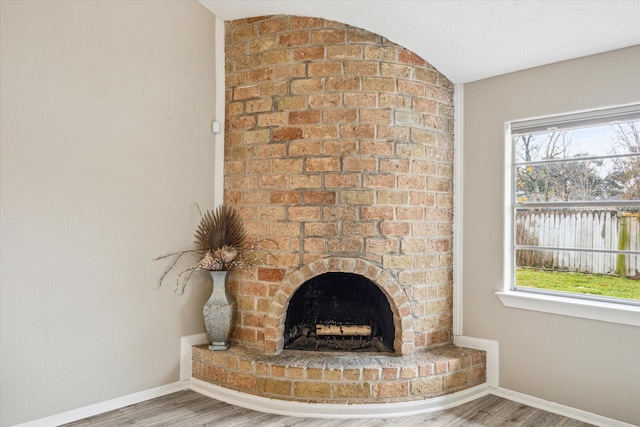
579	229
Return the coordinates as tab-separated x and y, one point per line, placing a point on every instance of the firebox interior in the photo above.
339	311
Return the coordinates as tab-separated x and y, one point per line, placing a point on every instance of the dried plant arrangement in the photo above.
221	244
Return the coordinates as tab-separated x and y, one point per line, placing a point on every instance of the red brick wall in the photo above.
339	144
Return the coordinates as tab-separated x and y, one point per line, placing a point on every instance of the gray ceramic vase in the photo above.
219	312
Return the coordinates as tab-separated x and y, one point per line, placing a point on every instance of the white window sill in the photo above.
596	310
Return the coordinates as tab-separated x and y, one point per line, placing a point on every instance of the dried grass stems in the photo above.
221	244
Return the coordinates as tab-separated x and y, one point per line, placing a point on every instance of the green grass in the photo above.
592	284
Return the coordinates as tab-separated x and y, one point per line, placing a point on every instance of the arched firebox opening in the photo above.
338	311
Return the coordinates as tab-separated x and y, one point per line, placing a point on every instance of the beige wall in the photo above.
586	364
105	148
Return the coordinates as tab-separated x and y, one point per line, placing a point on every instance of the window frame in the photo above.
547	301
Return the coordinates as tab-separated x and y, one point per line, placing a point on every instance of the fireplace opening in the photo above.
339	312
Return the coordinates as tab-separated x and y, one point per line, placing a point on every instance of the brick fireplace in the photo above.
339	157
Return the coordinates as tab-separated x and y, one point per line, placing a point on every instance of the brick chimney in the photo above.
339	157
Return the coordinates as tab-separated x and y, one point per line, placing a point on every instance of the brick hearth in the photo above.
341	377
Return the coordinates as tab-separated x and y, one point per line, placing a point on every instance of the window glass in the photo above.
576	205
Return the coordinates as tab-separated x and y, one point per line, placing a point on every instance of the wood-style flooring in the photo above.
189	409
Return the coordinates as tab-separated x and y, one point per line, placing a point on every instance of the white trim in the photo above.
106	406
574	307
582	118
556	408
508	273
218	138
333	410
492	349
186	343
458	168
319	410
186	353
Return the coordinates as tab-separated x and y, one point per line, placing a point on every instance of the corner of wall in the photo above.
458	143
185	353
493	354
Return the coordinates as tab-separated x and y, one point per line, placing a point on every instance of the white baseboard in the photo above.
493	355
556	408
301	409
333	410
106	406
493	381
99	408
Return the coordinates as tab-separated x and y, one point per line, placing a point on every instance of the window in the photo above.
573	192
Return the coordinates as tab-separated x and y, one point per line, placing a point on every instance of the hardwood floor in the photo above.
189	409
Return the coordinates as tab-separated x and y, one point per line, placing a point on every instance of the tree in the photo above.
627	169
563	177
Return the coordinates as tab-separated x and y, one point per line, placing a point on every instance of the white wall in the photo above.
585	364
105	149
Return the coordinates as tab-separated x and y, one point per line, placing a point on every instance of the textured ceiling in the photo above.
472	39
